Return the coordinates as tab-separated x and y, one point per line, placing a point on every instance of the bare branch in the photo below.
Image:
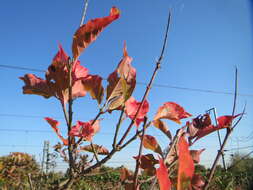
158	65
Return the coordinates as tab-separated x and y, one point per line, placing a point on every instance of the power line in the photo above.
140	83
239	148
25	116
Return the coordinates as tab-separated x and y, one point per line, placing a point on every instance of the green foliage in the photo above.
239	175
14	170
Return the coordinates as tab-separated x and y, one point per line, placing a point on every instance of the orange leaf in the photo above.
162	176
131	107
88	32
98	148
151	143
54	124
171	111
186	165
93	84
163	127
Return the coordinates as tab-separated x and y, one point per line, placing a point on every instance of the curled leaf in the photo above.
88	32
151	143
98	148
171	111
186	165
93	84
121	83
54	124
147	163
226	120
131	107
162	176
162	127
196	155
36	85
198	182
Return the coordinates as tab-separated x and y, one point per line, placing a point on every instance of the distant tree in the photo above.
14	170
241	167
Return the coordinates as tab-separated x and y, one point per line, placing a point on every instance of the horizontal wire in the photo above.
141	83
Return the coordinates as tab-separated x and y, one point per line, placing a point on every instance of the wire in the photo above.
239	148
141	83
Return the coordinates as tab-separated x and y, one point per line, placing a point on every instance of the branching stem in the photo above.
158	65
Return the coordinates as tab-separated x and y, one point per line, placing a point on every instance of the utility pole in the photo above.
45	155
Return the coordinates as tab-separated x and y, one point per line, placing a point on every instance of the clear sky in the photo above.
208	38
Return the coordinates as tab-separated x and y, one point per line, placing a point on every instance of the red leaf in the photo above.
162	176
121	83
151	143
226	120
163	127
197	182
223	122
186	165
88	32
196	154
54	124
98	148
147	162
57	77
36	85
171	111
85	130
93	84
78	71
131	107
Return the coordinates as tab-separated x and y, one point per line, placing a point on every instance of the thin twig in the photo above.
219	138
158	65
235	92
113	151
84	12
139	155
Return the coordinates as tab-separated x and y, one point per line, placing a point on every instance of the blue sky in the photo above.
207	40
